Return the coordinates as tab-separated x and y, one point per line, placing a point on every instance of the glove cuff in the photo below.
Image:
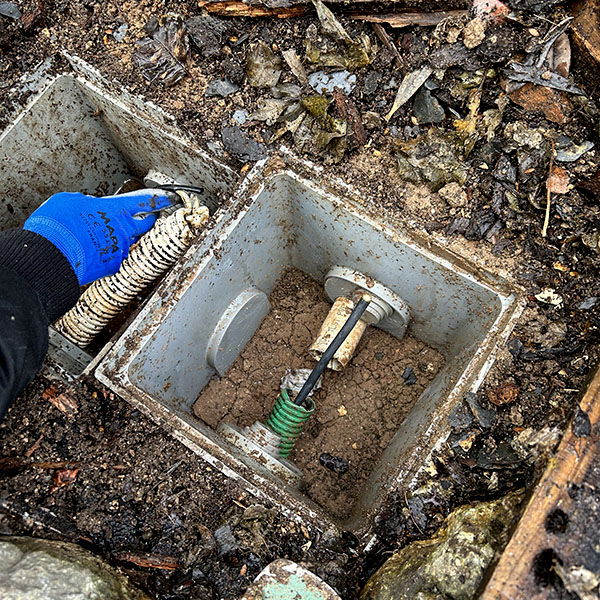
62	238
43	266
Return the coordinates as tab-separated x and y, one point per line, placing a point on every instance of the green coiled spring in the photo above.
287	420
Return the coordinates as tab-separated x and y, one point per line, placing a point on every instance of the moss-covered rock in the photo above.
34	569
451	565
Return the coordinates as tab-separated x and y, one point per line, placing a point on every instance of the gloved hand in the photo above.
95	233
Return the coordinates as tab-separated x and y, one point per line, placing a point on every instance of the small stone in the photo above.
570	152
238	143
515	347
409	376
588	303
454	194
221	87
453	562
207	33
460	417
240	116
226	543
323	82
582	426
10	10
120	32
371	83
371	120
474	33
484	416
42	569
501	457
426	107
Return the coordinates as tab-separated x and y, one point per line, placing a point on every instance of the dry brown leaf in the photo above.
504	394
62	478
558	180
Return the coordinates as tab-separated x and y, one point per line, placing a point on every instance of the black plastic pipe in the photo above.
173	187
337	341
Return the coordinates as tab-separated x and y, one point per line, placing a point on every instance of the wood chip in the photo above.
35	446
233	8
585	30
351	114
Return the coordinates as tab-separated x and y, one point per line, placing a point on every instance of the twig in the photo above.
387	41
406	19
548	194
410	511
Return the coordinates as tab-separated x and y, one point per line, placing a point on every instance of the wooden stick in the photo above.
406	19
548	194
387	41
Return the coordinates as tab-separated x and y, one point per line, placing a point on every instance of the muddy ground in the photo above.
137	491
359	409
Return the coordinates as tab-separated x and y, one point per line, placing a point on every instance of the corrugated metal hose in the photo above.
148	259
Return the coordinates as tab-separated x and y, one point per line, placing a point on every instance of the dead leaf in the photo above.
62	478
161	57
561	55
554	104
330	24
558	181
293	61
505	394
408	88
263	68
65	401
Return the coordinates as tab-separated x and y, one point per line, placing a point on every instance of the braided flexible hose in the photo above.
148	259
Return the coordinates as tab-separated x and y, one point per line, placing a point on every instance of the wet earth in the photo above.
469	160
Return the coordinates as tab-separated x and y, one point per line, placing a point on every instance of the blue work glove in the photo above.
95	233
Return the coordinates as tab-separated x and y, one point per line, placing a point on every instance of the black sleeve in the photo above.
37	286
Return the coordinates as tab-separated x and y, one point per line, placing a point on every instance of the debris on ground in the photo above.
476	128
